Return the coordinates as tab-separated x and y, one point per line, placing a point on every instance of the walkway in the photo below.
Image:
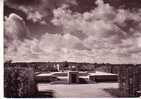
79	90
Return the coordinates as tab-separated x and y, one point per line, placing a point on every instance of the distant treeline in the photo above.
52	66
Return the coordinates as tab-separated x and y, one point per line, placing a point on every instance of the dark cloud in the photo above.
87	5
36	29
23	2
38	10
41	10
127	4
8	10
83	6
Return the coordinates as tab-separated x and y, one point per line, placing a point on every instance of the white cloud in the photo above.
107	29
104	34
15	31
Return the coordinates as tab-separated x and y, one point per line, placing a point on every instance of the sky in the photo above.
95	31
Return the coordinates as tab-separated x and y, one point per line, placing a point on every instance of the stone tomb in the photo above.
73	77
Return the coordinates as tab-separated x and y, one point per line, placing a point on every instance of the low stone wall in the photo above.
108	68
103	78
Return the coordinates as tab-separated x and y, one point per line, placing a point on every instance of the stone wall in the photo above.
109	68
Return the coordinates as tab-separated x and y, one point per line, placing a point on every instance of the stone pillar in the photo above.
58	67
73	77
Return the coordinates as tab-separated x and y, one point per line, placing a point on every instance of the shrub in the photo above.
19	82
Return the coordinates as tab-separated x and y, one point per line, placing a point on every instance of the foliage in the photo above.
19	82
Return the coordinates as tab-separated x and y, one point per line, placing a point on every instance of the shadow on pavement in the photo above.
113	91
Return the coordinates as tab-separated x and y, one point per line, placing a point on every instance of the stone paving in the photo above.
79	90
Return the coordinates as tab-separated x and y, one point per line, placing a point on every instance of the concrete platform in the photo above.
97	76
61	74
102	76
79	90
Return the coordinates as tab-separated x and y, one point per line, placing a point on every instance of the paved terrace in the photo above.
84	73
79	90
62	89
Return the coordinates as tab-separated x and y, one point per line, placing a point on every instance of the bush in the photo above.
19	82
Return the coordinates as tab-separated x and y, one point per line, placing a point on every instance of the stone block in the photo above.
73	77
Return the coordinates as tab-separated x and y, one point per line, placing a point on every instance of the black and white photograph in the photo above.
72	48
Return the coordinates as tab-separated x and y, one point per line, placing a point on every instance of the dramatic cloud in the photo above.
41	10
38	10
49	47
103	34
15	30
116	32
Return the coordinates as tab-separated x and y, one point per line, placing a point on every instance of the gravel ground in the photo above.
79	90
